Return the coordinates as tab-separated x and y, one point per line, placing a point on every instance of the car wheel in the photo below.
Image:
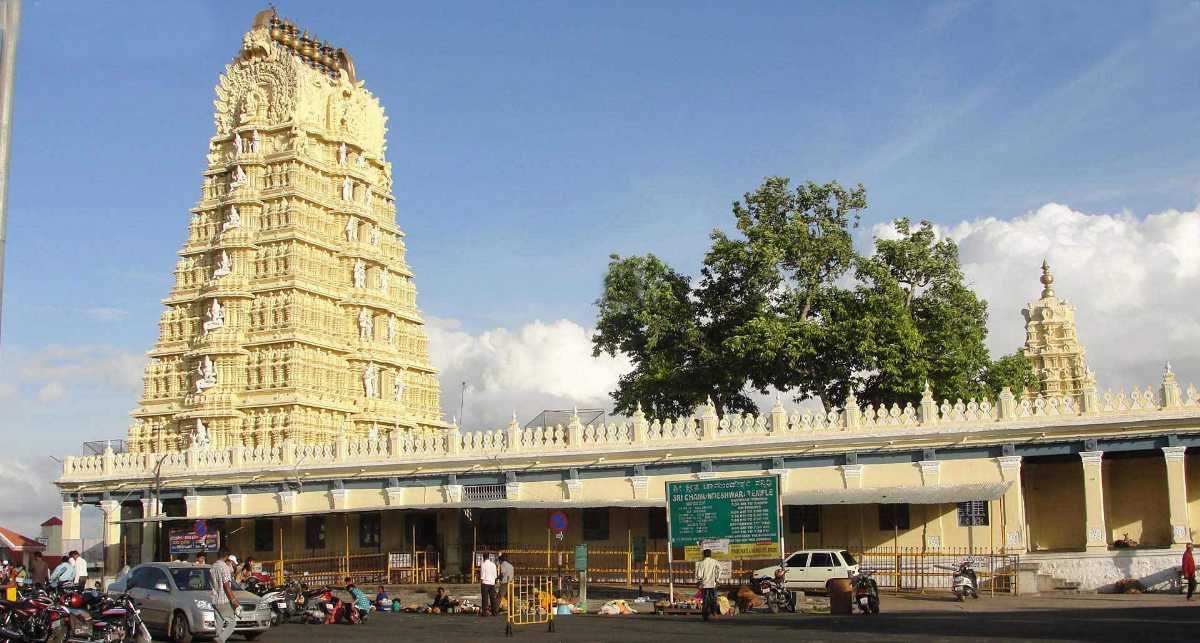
181	632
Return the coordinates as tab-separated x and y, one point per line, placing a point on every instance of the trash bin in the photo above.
841	595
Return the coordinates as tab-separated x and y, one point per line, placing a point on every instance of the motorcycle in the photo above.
92	617
776	594
319	605
33	617
281	598
866	591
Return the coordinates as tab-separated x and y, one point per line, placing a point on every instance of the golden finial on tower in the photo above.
1047	280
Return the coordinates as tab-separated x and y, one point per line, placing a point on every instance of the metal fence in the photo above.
529	600
376	568
914	569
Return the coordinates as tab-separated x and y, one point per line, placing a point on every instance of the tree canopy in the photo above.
789	304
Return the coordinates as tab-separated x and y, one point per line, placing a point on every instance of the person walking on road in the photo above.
81	570
506	572
487	587
39	571
707	572
1189	570
223	600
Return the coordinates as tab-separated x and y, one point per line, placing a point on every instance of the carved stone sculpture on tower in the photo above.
361	161
383	280
351	229
239	178
224	265
371	380
200	435
233	221
254	142
398	387
367	198
374	235
391	329
366	325
238	145
360	274
347	189
342	154
215	317
206	374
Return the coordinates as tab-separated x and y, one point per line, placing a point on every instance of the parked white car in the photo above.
809	569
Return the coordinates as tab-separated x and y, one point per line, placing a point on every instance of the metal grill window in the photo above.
973	513
477	492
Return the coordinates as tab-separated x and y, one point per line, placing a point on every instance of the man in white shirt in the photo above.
489	605
81	569
224	602
707	572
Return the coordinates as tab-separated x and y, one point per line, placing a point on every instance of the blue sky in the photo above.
532	139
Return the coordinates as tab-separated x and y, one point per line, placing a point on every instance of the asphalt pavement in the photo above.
903	618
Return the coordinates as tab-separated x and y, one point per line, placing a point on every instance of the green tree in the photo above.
1014	371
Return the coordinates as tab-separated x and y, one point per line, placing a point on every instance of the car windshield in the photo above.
194	579
848	558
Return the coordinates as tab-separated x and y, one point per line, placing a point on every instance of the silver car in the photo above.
175	600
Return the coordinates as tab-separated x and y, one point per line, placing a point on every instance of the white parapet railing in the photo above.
778	427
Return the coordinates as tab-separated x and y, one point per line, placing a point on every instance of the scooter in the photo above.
319	605
965	582
866	591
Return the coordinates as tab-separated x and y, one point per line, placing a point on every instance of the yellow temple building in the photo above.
290	404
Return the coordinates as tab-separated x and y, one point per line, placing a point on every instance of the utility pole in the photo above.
462	396
10	21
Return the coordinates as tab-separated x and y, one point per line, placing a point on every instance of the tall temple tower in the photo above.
294	314
1051	343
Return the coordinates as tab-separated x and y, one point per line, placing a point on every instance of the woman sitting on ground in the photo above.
441	602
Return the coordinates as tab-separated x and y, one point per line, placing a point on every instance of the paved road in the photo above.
1083	618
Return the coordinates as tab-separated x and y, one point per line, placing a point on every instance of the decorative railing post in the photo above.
109	461
1172	398
289	451
512	435
1008	404
928	411
852	418
341	449
453	440
708	421
190	457
238	458
394	438
778	417
1090	398
641	428
575	431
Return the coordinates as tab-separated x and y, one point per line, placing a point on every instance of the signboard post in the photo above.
581	565
182	541
736	518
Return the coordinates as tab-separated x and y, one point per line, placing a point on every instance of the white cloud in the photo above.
51	391
1133	280
538	366
114	366
27	496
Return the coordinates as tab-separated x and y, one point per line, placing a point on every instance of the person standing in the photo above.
707	572
39	571
223	600
1189	570
487	587
64	574
81	570
506	572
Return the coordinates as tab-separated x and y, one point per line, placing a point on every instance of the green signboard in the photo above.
581	557
737	518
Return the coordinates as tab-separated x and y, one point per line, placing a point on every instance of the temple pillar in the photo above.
70	524
110	511
1093	500
1014	504
150	509
1174	458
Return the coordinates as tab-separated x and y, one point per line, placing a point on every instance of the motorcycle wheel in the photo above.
773	605
874	605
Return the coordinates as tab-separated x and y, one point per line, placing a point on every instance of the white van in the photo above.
809	569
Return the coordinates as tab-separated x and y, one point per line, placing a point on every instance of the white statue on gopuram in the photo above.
374	235
238	145
371	380
361	161
234	220
351	229
366	325
342	154
367	199
383	280
239	178
398	387
207	375
391	329
347	189
215	317
360	274
254	142
200	435
224	265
